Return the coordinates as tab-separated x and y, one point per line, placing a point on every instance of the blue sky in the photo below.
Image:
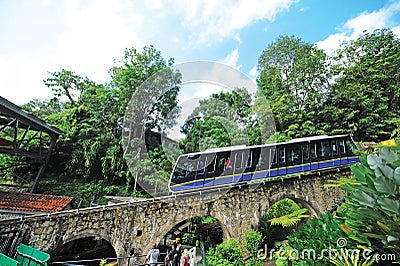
41	36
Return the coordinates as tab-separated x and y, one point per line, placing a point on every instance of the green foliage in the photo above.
372	213
282	208
228	253
318	234
91	116
344	258
253	241
294	78
217	122
367	89
85	193
290	219
254	262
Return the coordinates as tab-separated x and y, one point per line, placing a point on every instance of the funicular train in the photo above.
241	164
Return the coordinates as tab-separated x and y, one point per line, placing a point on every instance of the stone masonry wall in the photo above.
138	225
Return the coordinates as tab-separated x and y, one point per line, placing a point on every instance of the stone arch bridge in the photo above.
137	225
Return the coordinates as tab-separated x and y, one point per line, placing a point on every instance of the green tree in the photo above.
153	85
253	242
228	119
294	78
92	116
366	93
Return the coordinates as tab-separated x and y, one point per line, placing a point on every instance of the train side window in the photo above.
239	160
313	150
211	166
293	153
273	155
305	150
325	150
342	146
250	159
201	166
264	159
335	149
282	155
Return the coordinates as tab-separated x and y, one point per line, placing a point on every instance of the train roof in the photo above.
293	141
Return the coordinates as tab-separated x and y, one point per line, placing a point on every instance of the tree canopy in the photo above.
301	88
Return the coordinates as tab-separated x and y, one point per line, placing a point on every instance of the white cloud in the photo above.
253	72
97	34
232	59
368	22
215	20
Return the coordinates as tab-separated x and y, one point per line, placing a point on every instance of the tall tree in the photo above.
148	90
224	119
294	79
92	115
366	95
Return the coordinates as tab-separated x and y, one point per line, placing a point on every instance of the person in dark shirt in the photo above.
173	256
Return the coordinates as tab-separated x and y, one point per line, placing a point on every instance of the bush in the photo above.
318	234
226	254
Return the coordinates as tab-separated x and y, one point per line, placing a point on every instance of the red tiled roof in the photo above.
18	201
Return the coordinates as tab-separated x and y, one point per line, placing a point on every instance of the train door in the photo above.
293	158
240	164
335	152
211	165
262	165
252	159
324	154
343	152
200	171
273	169
313	156
282	160
224	168
306	162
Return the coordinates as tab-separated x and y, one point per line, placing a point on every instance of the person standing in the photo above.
153	256
173	256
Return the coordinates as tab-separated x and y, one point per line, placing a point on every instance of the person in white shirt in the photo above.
153	256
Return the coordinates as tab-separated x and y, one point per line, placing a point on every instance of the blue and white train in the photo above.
240	164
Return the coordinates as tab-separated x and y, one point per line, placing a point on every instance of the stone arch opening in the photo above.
195	233
306	204
281	205
84	248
